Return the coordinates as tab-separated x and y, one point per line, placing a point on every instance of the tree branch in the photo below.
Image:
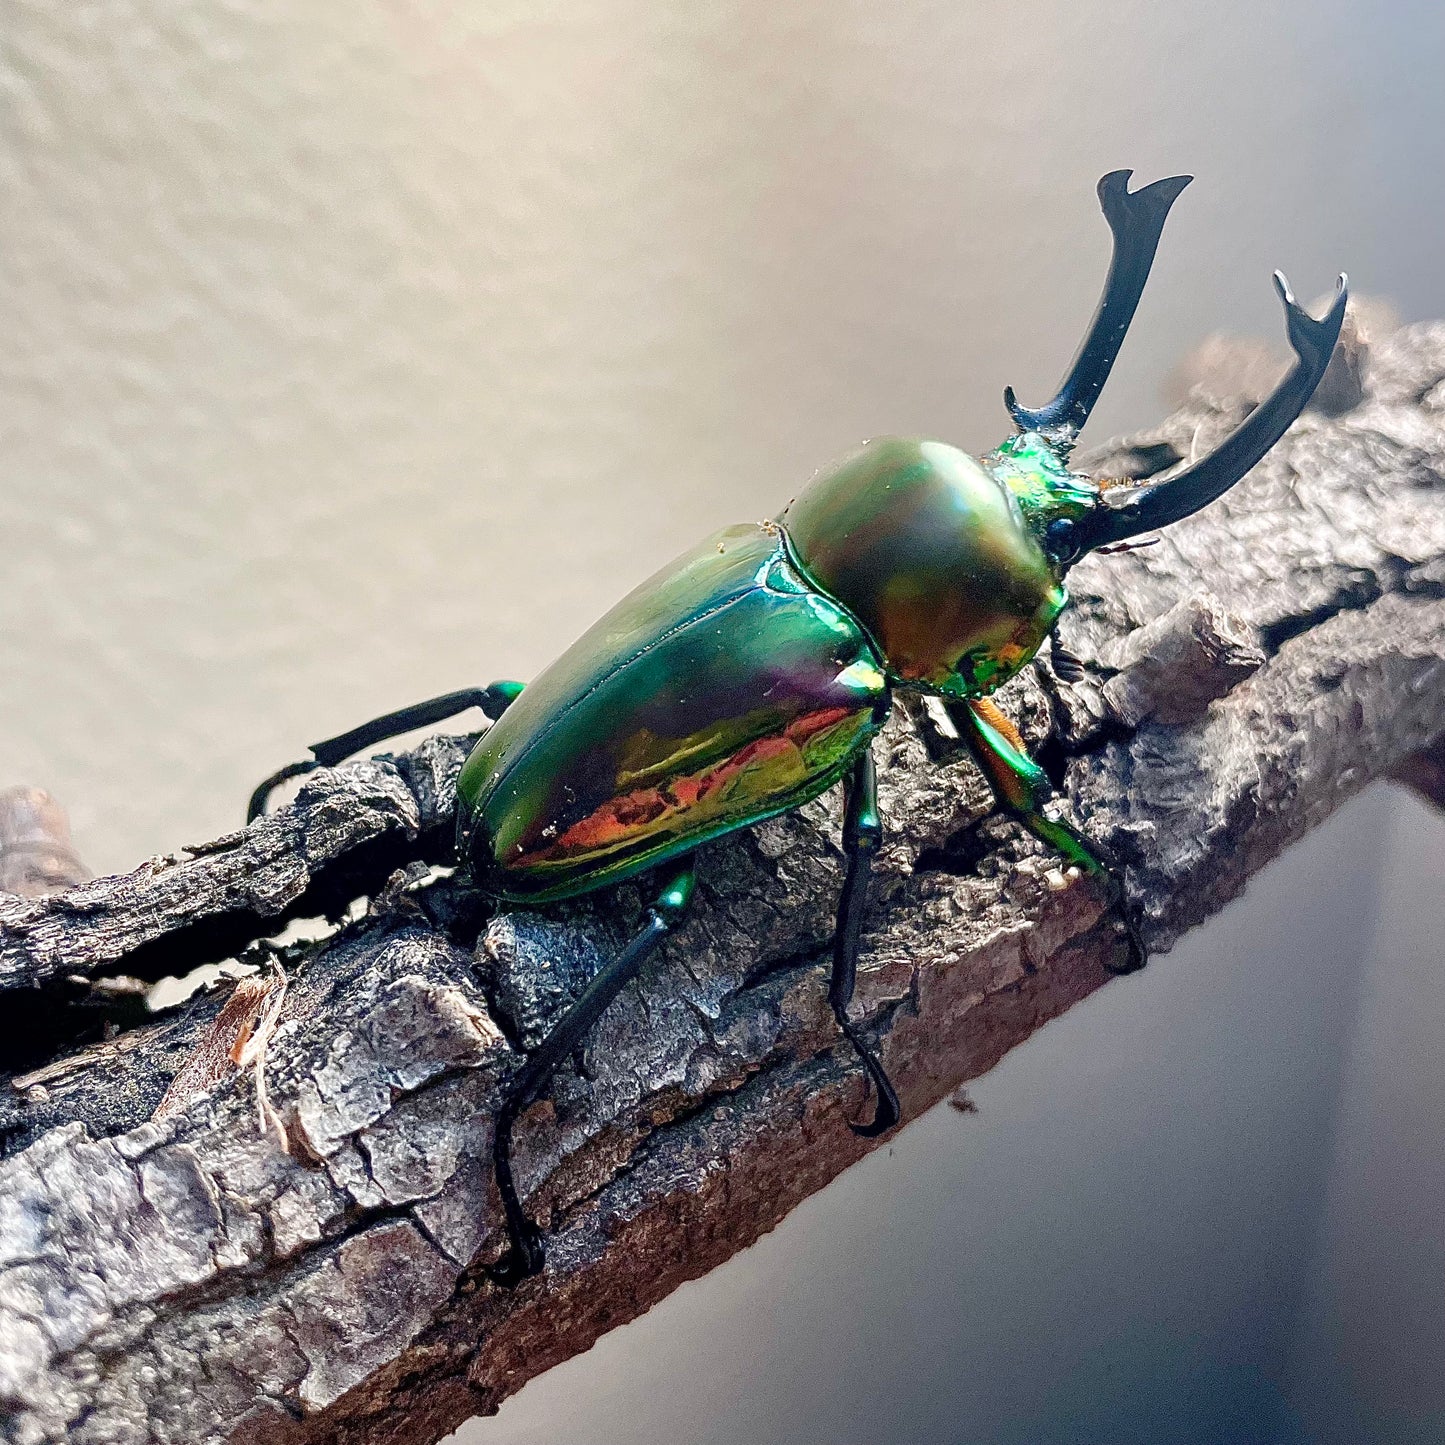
186	1279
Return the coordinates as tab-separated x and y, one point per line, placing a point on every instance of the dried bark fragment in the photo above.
1172	668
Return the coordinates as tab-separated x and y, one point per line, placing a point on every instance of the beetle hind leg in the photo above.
525	1254
493	701
1022	788
862	829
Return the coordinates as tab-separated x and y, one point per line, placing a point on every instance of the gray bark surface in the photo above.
186	1279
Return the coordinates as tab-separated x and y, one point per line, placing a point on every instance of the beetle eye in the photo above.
1061	540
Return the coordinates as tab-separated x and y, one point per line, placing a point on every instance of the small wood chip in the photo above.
236	1040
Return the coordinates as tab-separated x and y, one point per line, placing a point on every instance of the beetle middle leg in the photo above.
862	829
525	1253
1022	788
493	701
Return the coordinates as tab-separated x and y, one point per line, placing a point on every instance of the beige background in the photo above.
356	353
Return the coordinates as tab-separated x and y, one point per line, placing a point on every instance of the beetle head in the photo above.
1053	500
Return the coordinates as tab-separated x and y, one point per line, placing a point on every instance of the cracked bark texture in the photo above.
186	1279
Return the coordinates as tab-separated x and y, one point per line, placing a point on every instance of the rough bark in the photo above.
186	1279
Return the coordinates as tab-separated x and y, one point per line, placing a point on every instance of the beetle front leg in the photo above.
862	830
1022	788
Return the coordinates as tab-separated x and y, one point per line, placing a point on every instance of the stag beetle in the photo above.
752	673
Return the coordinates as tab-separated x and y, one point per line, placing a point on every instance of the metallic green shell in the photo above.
722	691
1045	489
932	554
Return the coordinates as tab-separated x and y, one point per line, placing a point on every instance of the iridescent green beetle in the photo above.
752	673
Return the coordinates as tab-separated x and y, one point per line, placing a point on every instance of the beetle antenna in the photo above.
1137	219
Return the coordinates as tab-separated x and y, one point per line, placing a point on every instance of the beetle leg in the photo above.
525	1255
493	701
1022	788
862	829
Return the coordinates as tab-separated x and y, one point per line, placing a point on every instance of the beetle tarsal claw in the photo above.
521	1260
256	808
888	1111
1127	924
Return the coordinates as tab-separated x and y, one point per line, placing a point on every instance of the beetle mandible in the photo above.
752	673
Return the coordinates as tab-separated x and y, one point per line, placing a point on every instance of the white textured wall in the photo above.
358	352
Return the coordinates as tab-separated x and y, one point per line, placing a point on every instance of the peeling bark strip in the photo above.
186	1280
